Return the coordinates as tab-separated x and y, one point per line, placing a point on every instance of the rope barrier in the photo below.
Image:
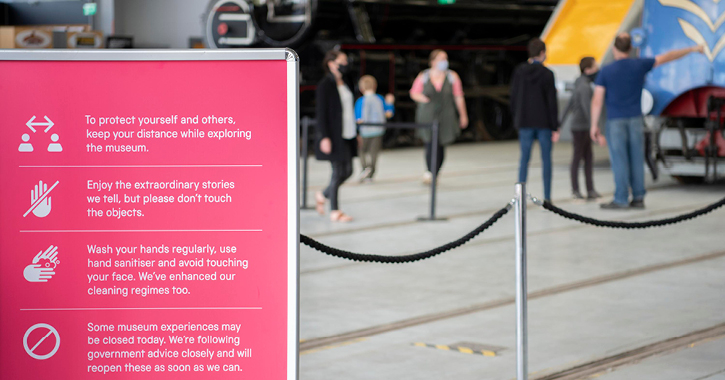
314	244
629	225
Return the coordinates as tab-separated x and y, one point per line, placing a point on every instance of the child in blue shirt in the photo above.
371	108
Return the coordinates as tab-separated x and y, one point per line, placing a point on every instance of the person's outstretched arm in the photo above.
673	55
596	112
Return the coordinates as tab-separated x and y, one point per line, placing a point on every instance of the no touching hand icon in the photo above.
40	203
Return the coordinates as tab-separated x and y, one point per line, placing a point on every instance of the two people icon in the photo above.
26	146
54	146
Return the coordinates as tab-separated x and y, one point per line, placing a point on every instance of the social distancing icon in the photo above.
26	146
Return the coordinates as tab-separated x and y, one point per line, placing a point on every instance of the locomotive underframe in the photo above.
674	149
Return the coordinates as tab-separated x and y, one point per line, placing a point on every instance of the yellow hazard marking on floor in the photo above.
463	350
343	344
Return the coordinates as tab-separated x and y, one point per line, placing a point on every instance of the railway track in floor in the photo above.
598	367
330	341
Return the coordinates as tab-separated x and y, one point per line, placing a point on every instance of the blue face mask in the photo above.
442	65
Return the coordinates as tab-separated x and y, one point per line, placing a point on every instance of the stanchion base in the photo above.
429	219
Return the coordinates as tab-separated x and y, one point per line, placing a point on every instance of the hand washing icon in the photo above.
43	265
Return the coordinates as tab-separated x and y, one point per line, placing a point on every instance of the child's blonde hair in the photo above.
368	83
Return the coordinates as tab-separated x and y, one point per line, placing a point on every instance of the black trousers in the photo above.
440	154
582	151
341	171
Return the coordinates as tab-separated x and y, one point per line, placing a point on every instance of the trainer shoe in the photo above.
427	178
577	196
614	206
364	174
592	195
637	203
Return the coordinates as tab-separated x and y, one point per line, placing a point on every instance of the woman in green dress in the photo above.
438	93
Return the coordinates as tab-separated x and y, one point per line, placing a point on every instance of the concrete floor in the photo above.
594	292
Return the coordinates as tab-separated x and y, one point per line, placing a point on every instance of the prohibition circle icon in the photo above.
50	331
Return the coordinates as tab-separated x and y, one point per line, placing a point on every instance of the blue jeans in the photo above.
526	139
625	138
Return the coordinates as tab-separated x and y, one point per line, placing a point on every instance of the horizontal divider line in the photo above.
140	166
139	231
142	308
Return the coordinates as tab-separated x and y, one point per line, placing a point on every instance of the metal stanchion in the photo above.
433	168
305	153
522	343
434	128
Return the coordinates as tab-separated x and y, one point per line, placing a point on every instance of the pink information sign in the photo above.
148	215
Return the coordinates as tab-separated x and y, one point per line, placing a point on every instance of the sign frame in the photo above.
292	70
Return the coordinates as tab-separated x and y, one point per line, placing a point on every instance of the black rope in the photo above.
633	225
312	243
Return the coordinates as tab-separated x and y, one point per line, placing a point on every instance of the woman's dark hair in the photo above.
329	57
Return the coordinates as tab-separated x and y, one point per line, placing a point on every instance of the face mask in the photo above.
442	65
343	69
593	76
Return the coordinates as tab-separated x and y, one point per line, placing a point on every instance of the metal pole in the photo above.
433	168
305	143
522	343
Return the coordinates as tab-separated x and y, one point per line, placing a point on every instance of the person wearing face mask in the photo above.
580	111
336	131
438	92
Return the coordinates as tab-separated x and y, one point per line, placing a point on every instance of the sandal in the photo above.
320	202
339	216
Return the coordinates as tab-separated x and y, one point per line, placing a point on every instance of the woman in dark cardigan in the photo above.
336	131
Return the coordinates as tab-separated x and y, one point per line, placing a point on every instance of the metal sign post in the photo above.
521	331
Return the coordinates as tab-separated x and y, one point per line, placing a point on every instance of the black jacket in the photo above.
329	122
533	97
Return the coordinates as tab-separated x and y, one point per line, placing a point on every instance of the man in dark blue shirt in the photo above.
619	85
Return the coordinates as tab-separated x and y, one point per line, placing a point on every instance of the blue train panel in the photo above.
674	24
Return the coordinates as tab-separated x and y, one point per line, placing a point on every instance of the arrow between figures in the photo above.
49	124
